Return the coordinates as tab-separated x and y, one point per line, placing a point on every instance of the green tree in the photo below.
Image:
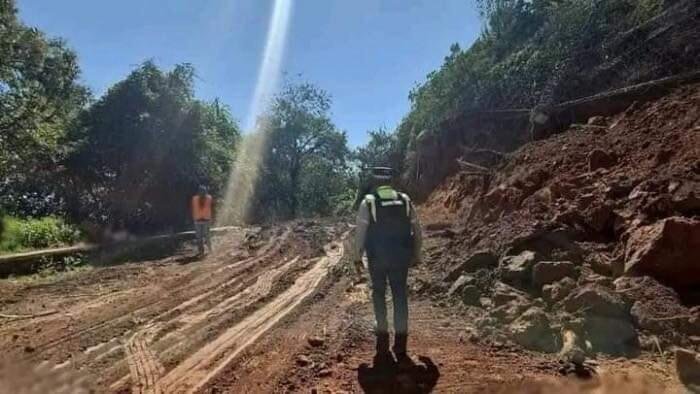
39	96
145	146
382	149
305	166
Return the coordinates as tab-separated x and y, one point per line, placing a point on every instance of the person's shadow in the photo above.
387	377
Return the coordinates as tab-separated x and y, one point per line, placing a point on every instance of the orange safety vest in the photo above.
201	210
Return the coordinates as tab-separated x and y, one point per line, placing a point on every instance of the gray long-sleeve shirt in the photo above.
363	220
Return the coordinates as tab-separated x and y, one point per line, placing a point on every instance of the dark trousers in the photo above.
396	275
201	229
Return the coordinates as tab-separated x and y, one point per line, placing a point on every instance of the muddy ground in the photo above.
271	310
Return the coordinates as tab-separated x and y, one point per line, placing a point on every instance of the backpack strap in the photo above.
371	202
407	201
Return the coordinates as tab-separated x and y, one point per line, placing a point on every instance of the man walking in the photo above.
389	231
201	215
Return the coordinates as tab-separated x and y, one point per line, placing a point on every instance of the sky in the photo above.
367	54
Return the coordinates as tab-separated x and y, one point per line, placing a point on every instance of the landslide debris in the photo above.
584	243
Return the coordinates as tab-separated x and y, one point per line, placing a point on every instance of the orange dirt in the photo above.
239	321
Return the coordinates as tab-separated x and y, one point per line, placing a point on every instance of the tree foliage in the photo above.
305	168
142	149
381	150
39	95
530	52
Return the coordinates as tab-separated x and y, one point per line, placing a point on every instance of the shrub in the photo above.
25	234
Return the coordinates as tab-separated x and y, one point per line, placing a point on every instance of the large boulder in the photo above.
517	270
655	307
532	330
547	272
688	369
597	301
667	251
607	323
609	335
479	260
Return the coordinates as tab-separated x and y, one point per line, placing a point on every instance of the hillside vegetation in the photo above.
542	52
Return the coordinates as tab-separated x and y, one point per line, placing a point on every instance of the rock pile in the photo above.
591	237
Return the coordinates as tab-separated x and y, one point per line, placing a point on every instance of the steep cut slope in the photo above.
589	237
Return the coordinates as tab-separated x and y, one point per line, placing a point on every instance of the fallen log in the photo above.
30	262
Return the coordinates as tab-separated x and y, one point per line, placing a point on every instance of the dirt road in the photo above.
270	311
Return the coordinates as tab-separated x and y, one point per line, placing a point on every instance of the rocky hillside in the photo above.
587	242
552	56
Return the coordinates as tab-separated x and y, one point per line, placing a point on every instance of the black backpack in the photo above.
389	235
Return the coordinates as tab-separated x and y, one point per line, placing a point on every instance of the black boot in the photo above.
404	361
383	356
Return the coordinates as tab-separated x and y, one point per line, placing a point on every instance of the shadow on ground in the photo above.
387	377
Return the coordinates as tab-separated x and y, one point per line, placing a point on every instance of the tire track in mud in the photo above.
271	247
261	287
195	371
205	320
145	368
122	339
239	300
193	329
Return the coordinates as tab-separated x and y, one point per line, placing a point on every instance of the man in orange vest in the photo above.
201	214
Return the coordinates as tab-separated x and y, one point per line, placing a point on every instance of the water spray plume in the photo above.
240	189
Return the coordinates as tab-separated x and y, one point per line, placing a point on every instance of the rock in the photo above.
508	312
656	308
325	373
596	279
606	320
601	218
619	188
437	226
664	156
645	317
316	341
479	260
471	295
556	292
485	302
667	251
597	301
597	121
546	272
503	294
600	159
686	197
517	270
459	284
615	336
532	331
304	360
486	321
688	369
694	324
